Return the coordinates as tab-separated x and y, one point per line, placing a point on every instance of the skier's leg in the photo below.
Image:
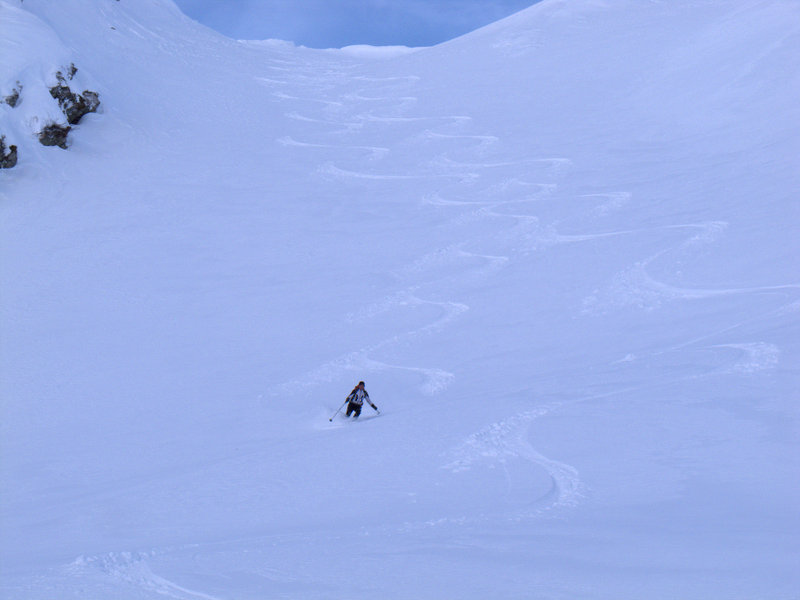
350	407
357	411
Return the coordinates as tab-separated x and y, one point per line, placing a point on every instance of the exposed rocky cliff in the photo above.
53	126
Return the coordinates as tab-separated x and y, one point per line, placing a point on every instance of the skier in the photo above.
356	400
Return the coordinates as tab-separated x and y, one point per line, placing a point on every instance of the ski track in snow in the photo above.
435	379
755	356
509	439
505	439
375	152
636	287
133	569
613	201
525	233
484	141
333	171
360	361
633	286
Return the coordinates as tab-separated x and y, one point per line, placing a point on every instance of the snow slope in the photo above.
561	251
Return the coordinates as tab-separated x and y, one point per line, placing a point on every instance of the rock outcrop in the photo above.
54	135
8	156
13	97
74	106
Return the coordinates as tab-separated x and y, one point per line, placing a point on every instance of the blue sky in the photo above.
336	23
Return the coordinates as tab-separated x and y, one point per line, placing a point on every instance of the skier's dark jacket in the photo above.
357	397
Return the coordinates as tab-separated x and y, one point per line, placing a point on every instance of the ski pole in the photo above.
338	410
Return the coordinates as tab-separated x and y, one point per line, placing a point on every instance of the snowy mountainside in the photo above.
559	250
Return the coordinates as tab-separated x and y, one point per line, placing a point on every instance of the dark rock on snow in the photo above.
72	105
70	74
13	98
8	156
54	135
